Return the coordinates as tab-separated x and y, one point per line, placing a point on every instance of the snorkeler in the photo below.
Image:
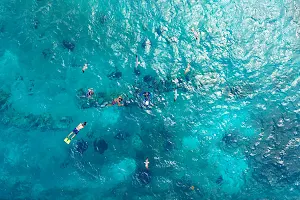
137	63
89	93
147	163
118	101
74	132
187	69
196	34
147	45
175	95
147	99
84	68
176	81
115	101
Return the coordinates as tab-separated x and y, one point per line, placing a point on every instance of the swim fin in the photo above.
67	140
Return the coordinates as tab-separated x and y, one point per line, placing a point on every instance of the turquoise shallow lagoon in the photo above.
233	132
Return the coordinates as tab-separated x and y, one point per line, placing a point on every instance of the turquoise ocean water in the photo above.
233	132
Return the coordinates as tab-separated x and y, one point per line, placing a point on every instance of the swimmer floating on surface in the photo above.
115	101
74	132
175	95
187	69
147	163
90	93
147	99
137	63
196	34
84	68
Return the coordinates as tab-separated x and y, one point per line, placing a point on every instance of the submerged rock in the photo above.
233	168
103	18
3	98
219	180
110	116
190	143
122	135
90	135
274	156
142	177
66	120
161	184
230	139
235	90
169	146
35	23
47	53
115	75
119	172
182	186
137	71
137	143
68	45
100	146
20	189
144	197
148	78
81	146
2	28
233	140
239	91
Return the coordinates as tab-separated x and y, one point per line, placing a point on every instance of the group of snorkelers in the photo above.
119	100
146	101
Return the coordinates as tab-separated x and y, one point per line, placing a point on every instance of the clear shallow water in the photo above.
233	132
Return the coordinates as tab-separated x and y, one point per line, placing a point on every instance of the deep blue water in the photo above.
233	132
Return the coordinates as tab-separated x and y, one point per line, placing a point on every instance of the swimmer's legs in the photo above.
68	139
73	136
105	104
70	134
